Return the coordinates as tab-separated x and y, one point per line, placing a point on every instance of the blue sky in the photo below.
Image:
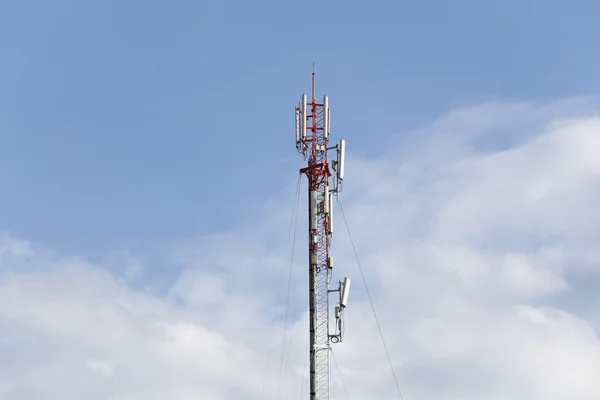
148	173
128	121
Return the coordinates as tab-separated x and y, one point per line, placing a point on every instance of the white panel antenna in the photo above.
341	159
345	292
313	207
325	117
328	121
331	213
304	117
297	128
326	206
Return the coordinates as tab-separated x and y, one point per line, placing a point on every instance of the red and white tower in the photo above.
325	178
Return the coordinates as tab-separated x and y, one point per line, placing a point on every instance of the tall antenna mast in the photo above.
325	180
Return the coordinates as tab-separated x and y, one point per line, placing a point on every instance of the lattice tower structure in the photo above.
314	144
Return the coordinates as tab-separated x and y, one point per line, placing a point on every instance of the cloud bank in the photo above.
478	234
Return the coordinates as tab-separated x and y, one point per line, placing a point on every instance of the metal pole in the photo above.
312	282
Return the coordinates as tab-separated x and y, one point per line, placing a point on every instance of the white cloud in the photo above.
198	288
66	324
478	236
101	366
475	235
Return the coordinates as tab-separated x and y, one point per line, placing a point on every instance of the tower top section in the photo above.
313	126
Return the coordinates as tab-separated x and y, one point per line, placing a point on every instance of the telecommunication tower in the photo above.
325	179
